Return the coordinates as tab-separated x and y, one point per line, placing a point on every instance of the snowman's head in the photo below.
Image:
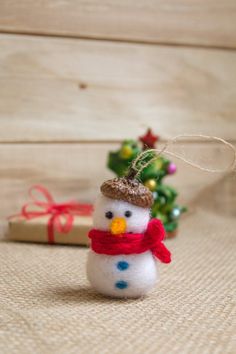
118	216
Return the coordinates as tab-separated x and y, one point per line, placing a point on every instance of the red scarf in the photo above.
104	242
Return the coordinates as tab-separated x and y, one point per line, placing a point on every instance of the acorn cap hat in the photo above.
129	190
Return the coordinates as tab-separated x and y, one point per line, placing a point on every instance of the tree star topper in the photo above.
149	139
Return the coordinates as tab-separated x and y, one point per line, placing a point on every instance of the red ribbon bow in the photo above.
61	215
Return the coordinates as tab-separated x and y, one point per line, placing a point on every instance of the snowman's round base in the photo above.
122	276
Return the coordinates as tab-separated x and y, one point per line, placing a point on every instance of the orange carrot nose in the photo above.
118	226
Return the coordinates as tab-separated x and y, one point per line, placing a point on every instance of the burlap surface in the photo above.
48	307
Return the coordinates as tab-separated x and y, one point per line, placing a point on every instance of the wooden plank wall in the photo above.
78	77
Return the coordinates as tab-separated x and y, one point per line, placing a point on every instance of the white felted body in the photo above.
139	275
130	275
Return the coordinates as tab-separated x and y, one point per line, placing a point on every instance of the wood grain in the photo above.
75	171
55	90
194	22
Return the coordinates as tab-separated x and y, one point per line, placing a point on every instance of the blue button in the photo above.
122	265
121	284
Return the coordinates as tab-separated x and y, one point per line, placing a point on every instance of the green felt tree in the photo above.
164	206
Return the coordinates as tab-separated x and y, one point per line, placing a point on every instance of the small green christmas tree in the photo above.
164	206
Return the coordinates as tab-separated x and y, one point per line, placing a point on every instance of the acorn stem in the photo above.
131	173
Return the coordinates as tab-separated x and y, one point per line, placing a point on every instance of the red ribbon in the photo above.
61	215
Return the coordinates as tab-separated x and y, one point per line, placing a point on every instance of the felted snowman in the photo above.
125	243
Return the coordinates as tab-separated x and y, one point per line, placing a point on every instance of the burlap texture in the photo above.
48	307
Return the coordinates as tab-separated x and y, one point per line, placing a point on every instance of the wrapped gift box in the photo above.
46	221
35	230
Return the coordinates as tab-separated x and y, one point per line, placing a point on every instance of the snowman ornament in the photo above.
125	243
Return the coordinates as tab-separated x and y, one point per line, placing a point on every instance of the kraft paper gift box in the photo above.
43	220
36	230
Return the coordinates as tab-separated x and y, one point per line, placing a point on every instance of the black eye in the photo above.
109	215
128	213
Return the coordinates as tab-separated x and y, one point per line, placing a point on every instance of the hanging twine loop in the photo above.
140	163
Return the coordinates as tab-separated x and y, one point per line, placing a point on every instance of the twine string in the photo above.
139	164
